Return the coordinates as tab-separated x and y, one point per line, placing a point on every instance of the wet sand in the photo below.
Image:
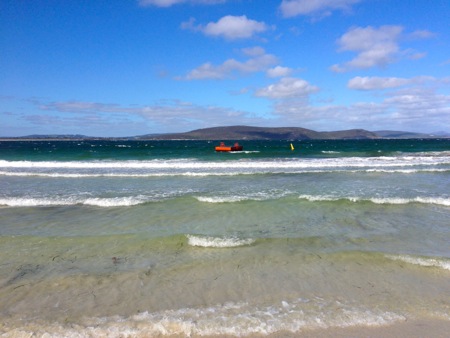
407	329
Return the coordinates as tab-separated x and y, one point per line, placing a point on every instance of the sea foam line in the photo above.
348	162
211	173
92	175
98	202
261	196
218	242
388	200
422	261
238	319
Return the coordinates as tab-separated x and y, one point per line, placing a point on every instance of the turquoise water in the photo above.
145	238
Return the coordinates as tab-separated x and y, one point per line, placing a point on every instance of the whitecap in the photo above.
218	242
115	201
229	199
422	261
34	202
386	200
63	201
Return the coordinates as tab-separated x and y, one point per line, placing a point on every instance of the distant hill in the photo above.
58	137
237	133
262	133
401	134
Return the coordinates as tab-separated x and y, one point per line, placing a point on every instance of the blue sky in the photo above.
125	68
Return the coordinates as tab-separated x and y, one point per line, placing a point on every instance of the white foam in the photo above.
218	242
299	163
115	202
386	200
229	319
422	261
165	172
406	171
234	199
254	196
231	199
69	175
99	202
33	202
433	200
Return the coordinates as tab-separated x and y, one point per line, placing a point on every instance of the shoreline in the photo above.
416	328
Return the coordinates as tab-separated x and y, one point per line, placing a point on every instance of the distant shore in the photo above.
242	133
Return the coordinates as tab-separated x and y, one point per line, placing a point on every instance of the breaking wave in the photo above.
282	164
218	242
386	200
229	319
98	202
422	261
256	196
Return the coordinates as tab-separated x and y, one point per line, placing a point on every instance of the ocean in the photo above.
103	238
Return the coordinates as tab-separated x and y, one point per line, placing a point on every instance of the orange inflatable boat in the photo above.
223	148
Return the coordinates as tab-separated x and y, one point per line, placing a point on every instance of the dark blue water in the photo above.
204	150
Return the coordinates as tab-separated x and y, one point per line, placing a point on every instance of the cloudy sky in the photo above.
133	67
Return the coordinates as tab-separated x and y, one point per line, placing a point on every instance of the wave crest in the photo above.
387	200
98	202
218	242
422	261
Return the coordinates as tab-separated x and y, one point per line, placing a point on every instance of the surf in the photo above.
218	242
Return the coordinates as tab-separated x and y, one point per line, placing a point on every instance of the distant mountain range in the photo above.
254	133
283	133
405	134
262	133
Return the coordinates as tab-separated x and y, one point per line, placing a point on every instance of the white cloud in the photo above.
279	71
260	62
419	100
166	116
169	3
373	83
81	107
298	112
287	87
420	105
422	34
420	109
375	47
290	8
380	83
414	107
394	114
253	51
229	27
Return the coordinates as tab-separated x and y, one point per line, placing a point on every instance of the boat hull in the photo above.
228	149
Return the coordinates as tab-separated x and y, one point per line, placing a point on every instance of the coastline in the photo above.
417	328
240	133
